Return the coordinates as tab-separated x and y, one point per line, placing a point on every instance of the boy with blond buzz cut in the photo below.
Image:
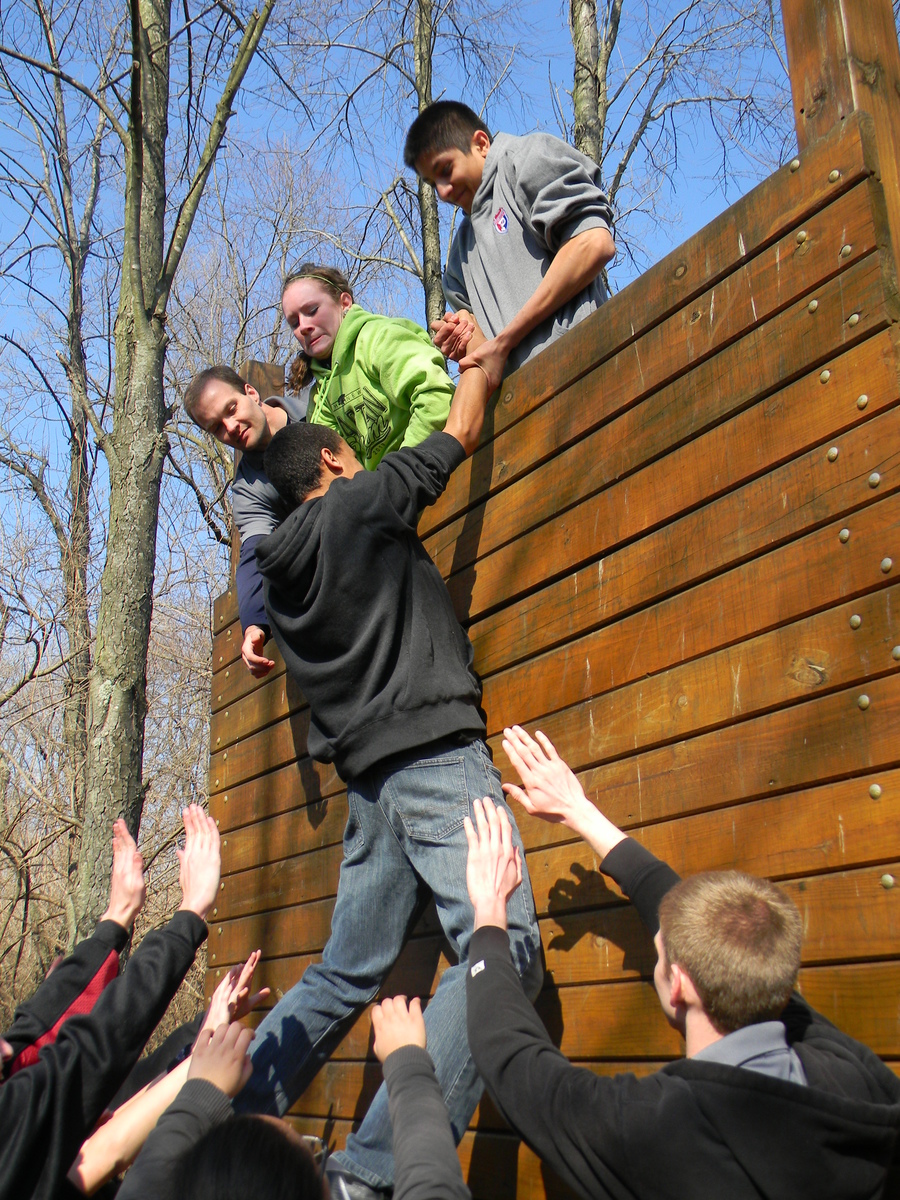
528	258
770	1101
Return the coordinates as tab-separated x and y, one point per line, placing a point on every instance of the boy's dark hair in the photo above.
247	1158
221	373
293	459
738	938
444	125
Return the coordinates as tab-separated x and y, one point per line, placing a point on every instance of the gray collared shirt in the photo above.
762	1048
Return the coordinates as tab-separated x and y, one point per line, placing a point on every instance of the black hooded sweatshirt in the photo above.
695	1130
363	619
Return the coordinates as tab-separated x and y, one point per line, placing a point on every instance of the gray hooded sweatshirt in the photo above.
536	193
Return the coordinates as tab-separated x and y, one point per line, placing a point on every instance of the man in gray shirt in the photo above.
226	406
527	260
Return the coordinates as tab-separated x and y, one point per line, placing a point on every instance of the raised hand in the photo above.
221	1056
397	1024
453	333
494	867
490	356
550	789
200	862
127	888
232	999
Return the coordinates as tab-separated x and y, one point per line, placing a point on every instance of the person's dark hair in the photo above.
293	459
444	125
335	283
738	938
247	1158
221	373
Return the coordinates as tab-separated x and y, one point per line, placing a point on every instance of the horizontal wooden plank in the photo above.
628	510
807	657
826	738
635	379
223	608
745	229
285	836
281	883
290	788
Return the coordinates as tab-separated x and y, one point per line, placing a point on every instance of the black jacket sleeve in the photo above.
569	1116
48	1109
416	476
572	1118
426	1165
72	988
643	878
197	1108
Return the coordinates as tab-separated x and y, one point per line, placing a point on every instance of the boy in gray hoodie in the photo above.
527	260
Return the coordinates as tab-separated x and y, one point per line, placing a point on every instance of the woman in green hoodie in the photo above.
379	382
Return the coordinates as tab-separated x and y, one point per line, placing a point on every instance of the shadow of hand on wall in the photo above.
585	906
568	895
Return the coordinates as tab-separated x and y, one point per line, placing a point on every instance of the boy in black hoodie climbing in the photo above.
365	624
770	1102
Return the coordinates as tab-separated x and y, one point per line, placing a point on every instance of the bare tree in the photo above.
648	74
86	98
379	61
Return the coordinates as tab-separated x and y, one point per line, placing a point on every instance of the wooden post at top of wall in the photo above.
844	58
268	379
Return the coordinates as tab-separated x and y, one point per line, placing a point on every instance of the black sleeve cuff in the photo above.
112	934
643	878
490	941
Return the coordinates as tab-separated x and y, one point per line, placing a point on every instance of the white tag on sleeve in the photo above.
479	966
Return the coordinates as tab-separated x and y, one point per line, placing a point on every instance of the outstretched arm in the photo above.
426	1166
577	264
116	1143
74	985
468	408
200	861
550	790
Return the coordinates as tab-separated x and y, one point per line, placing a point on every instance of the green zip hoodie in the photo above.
386	386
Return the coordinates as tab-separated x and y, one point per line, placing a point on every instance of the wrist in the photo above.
121	916
491	913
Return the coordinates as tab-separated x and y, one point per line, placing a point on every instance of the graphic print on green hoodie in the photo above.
386	386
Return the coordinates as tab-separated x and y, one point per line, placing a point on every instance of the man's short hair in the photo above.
738	938
444	125
221	373
293	459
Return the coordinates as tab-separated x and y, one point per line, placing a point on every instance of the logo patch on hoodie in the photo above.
501	220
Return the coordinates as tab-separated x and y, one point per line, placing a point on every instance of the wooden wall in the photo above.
677	552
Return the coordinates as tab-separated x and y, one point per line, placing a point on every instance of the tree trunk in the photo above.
428	202
135	451
585	93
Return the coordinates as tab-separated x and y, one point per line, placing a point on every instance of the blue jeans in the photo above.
405	829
